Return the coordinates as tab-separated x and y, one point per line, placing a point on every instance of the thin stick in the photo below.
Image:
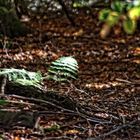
3	84
113	131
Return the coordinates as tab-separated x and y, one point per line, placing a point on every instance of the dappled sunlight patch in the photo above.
103	85
23	56
134	50
106	91
39	53
31	55
136	53
102	115
136	61
71	132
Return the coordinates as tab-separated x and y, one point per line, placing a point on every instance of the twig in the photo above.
59	138
113	131
91	119
4	43
41	101
76	89
122	80
17	102
59	113
3	84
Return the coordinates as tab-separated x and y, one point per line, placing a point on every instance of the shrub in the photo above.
121	12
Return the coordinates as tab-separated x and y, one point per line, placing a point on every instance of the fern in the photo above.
28	82
22	76
63	69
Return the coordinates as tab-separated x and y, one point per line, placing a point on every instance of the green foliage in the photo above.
6	3
80	3
119	6
54	127
25	82
126	13
104	14
87	3
134	13
129	26
3	11
110	17
3	102
13	74
22	77
63	69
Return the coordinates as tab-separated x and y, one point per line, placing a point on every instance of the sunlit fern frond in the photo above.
63	69
21	76
25	82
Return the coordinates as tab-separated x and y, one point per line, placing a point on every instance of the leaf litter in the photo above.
107	89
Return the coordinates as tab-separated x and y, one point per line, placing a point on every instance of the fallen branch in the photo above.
39	101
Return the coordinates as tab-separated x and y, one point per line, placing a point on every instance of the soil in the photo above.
106	91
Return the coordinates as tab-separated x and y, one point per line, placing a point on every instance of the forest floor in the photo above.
107	89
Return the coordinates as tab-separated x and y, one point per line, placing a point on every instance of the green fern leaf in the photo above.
25	82
63	69
60	74
22	76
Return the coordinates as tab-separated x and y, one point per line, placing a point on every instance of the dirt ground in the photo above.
107	90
